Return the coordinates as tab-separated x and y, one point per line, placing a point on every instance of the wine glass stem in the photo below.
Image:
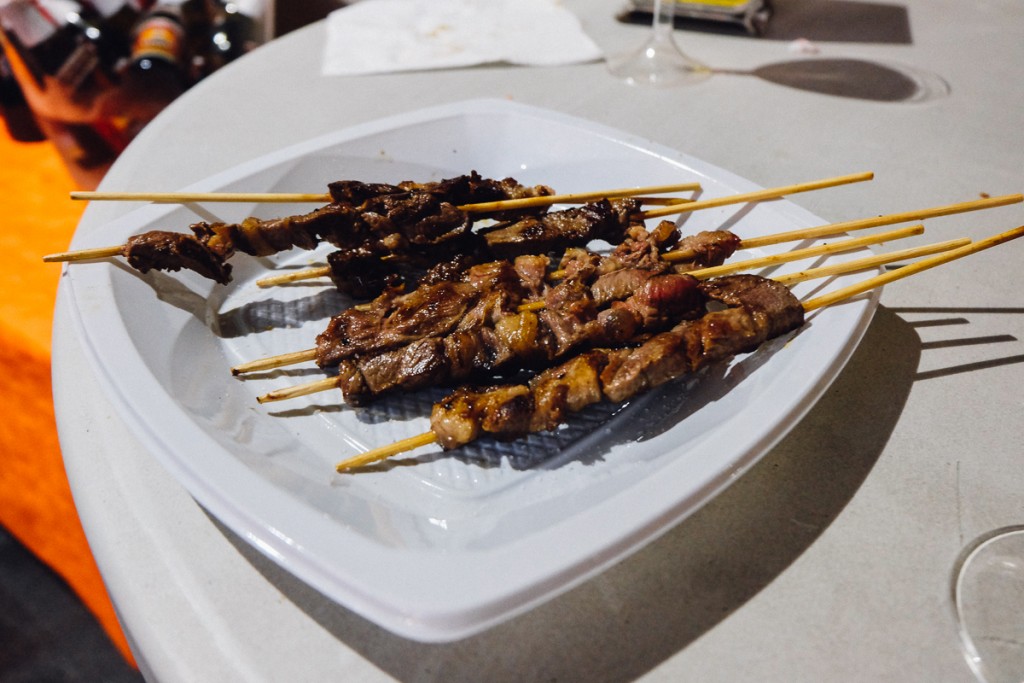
663	20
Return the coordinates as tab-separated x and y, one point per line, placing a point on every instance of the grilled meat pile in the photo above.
482	345
486	292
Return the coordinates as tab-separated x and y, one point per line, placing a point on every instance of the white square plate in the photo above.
436	546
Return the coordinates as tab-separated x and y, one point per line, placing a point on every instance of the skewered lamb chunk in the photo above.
393	320
602	220
161	250
758	310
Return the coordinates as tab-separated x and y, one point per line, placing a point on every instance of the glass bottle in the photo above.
115	20
235	31
18	117
154	76
53	52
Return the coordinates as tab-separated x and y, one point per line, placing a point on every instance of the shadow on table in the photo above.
655	603
853	78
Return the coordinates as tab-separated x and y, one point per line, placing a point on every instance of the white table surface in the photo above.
829	560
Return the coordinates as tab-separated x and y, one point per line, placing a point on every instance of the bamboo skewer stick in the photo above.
272	362
294	357
797	254
384	452
770	193
581	197
785	257
869	262
888	219
285	197
662	201
911	269
672	209
679	207
294	276
381	453
314	387
670	256
187	197
84	254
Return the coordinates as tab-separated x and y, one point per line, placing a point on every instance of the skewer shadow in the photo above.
243	320
1000	310
658	601
308	410
970	341
267	314
282	373
970	367
939	323
959	316
169	290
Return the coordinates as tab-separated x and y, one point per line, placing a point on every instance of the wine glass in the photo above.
988	601
659	61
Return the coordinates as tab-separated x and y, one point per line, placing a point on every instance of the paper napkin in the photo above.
380	36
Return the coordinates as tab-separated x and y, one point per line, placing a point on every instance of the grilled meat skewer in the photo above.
377	218
757	310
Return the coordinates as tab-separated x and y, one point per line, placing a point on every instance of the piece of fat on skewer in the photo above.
298	197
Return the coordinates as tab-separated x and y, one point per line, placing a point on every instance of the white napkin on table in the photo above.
380	36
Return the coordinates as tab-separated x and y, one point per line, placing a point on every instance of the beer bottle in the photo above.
158	54
234	32
18	117
115	20
154	77
45	40
53	52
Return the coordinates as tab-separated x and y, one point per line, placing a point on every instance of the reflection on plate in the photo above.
434	547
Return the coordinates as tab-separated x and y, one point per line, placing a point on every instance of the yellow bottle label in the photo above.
713	3
159	37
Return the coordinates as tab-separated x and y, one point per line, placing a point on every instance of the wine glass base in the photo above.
657	64
988	592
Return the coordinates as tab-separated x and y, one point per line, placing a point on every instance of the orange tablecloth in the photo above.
35	500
